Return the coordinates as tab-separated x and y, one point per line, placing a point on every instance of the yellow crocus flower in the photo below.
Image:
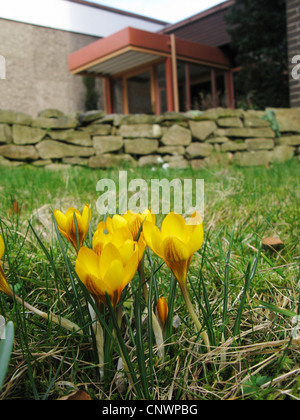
66	225
4	287
132	221
176	242
110	272
120	236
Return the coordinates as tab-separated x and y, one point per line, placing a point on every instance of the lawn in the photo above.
246	295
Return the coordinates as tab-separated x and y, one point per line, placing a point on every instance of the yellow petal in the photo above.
131	268
175	250
4	287
173	224
195	240
114	275
87	262
85	218
177	257
2	247
126	250
118	222
153	238
109	254
61	220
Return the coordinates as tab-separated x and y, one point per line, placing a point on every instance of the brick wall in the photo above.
293	26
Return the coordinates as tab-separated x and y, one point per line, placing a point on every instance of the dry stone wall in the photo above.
174	140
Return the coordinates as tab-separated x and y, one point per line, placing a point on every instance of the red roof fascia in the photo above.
145	40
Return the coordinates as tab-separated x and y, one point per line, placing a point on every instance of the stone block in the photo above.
199	150
67	121
282	153
255	122
91	116
141	146
233	146
288	119
253	158
150	160
10	163
202	129
13	117
178	163
230	122
105	144
51	113
171	150
23	134
262	132
217	140
51	149
16	152
76	161
5	134
177	136
260	144
140	131
97	129
288	141
72	136
216	113
111	161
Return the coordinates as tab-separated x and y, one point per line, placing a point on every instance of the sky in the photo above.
171	11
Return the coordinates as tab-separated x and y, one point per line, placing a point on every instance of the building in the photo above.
37	37
176	69
139	64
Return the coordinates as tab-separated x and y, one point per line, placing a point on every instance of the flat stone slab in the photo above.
72	136
260	144
5	133
16	152
51	149
67	121
110	161
262	132
14	117
199	150
105	144
202	129
140	131
141	146
177	136
23	134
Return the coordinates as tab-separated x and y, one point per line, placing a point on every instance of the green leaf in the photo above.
6	346
274	308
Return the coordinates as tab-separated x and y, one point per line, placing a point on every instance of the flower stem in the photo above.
56	319
193	314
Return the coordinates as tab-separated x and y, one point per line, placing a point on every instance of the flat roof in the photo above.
198	16
130	48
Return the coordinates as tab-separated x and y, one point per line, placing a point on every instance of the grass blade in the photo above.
250	273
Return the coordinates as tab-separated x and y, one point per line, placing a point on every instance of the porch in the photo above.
151	73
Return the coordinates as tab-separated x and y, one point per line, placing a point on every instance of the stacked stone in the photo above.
174	140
